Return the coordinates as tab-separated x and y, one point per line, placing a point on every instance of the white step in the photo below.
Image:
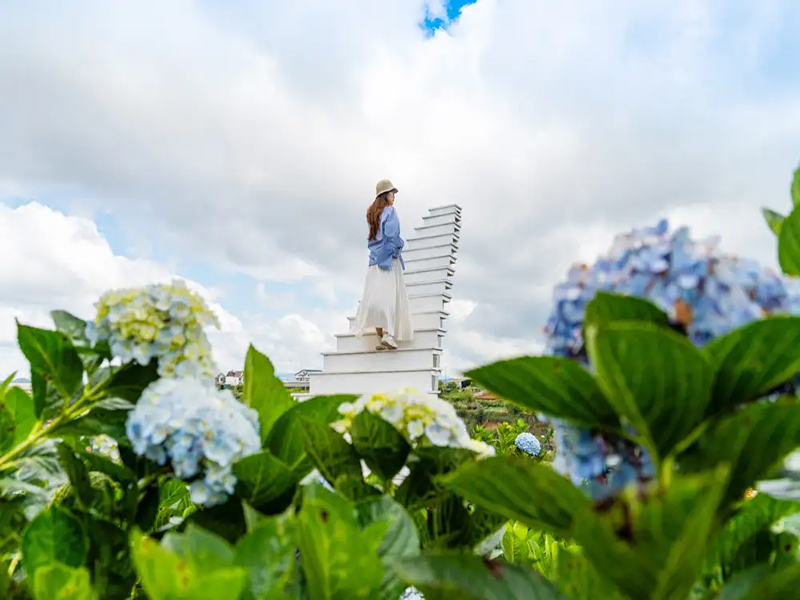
428	302
423	338
430	241
422	320
428	287
446	209
426	275
446	229
435	262
448	249
373	362
370	383
429	220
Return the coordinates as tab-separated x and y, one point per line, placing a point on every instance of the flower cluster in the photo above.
412	593
528	443
163	322
704	293
199	430
417	416
105	445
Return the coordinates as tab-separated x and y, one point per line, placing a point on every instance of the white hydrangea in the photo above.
418	417
105	445
161	321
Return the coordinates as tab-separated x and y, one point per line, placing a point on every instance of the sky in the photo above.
237	145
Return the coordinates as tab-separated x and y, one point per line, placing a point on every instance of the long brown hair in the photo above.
374	214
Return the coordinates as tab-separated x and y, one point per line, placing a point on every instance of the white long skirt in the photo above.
385	304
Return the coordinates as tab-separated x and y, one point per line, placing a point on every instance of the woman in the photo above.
384	306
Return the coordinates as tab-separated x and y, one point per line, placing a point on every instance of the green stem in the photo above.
12	567
41	430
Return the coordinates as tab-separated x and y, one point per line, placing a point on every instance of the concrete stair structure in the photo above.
356	367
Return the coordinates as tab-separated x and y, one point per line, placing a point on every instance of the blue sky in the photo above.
453	8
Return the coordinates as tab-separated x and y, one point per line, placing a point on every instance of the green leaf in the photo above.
54	536
59	582
774	220
752	360
265	482
652	546
795	189
263	391
789	244
522	490
381	446
753	516
225	520
78	476
470	577
70	325
75	329
97	421
760	584
268	552
17	417
751	441
53	357
607	308
197	566
128	381
330	453
339	560
653	377
45	396
285	439
557	387
401	540
147	508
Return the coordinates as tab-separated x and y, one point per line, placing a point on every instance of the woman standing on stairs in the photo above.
384	306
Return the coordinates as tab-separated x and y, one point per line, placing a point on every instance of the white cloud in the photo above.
62	262
251	135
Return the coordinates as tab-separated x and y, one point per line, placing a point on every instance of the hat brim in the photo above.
395	190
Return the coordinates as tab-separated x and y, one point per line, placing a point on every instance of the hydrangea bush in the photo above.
669	376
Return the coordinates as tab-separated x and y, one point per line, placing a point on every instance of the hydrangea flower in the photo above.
199	430
159	321
412	593
528	443
105	445
418	417
704	292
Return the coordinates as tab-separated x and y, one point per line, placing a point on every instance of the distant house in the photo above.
305	374
297	387
230	379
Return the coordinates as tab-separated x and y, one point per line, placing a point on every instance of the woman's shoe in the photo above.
387	341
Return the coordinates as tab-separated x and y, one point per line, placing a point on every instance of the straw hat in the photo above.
383	186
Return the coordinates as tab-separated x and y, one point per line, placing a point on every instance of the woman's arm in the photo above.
391	231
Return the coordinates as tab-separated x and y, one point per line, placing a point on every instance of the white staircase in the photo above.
357	367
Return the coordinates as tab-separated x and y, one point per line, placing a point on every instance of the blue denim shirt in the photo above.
387	244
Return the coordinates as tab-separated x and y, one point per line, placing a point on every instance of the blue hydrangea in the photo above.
528	443
159	321
199	430
412	594
704	292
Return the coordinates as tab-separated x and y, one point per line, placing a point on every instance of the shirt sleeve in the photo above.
391	231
